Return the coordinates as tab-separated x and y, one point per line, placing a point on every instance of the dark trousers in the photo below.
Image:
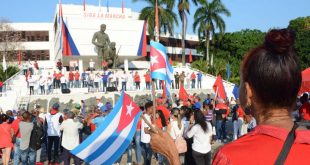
57	84
193	83
63	86
147	153
67	156
199	84
42	89
177	84
202	159
124	86
148	85
52	141
31	90
137	85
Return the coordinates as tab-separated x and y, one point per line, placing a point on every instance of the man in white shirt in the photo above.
91	65
70	137
124	79
53	119
145	136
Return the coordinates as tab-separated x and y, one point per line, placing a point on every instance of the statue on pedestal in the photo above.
102	42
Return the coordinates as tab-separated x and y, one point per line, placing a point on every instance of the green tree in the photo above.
208	18
167	18
183	8
302	43
11	70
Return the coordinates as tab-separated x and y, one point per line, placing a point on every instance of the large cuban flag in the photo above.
111	139
161	69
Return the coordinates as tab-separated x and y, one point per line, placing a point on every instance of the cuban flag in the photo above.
111	139
161	69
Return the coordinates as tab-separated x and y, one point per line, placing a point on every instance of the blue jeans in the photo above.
219	131
17	152
129	155
28	153
76	83
138	147
147	154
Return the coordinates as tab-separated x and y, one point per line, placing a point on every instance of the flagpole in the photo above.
153	80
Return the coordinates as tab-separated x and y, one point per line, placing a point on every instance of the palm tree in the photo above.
167	18
208	18
183	8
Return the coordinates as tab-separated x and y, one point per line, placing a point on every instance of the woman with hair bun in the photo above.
270	78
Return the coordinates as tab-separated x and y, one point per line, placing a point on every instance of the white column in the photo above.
126	65
81	66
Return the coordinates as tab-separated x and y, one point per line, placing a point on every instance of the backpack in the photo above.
36	138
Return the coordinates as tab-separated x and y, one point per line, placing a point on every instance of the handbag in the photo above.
180	143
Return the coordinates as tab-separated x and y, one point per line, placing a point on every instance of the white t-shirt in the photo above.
70	136
53	125
63	80
91	64
175	130
145	138
202	139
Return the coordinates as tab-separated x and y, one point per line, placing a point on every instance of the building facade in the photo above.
44	41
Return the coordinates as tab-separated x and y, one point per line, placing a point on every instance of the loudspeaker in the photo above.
111	89
65	91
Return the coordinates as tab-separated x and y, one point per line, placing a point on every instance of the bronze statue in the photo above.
102	41
113	57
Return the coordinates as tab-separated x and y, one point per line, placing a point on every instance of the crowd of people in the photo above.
99	81
200	124
264	131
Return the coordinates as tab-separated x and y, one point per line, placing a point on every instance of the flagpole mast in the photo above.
153	80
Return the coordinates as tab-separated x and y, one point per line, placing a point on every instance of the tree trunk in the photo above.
207	46
183	38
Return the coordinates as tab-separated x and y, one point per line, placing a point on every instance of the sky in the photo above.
245	14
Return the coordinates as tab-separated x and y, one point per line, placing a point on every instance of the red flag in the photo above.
156	22
170	61
190	56
183	94
84	4
144	44
19	58
123	6
164	89
218	87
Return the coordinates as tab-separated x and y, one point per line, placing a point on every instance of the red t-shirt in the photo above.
5	135
165	111
240	112
158	123
1	84
15	126
262	146
77	76
71	75
305	111
147	77
137	78
193	76
58	76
